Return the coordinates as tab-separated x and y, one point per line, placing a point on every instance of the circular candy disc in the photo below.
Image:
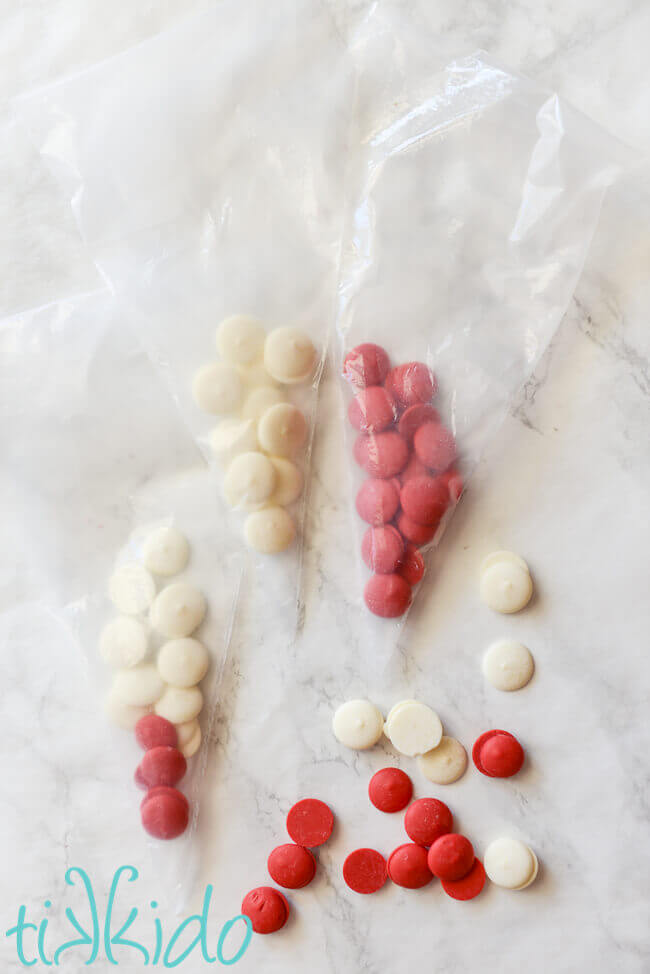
183	662
154	731
411	566
534	873
270	530
166	551
289	482
382	549
366	365
411	384
377	501
217	388
425	500
178	610
310	822
508	665
231	437
451	856
140	686
289	355
426	820
249	481
435	446
162	765
189	737
180	704
372	410
358	724
469	886
417	534
365	871
282	430
123	642
414	417
387	596
407	866
509	863
291	866
413	729
165	813
240	339
497	556
390	790
266	908
444	764
506	587
381	455
498	754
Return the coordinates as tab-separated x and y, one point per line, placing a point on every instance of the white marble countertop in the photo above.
576	509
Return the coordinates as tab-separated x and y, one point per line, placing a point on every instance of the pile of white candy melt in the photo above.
262	432
149	618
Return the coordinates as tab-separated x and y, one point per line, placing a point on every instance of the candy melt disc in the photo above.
154	731
435	446
166	551
417	534
505	585
390	790
498	754
288	482
358	724
162	765
508	665
411	384
165	813
381	454
366	365
509	863
139	686
444	764
178	704
189	737
217	389
414	417
240	339
407	866
364	871
289	355
377	501
249	482
231	437
123	642
266	908
387	596
469	886
413	729
291	866
426	820
282	430
372	410
411	565
425	500
451	856
183	662
259	400
310	822
382	549
178	610
270	530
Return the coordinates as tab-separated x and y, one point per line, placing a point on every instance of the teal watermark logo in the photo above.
101	935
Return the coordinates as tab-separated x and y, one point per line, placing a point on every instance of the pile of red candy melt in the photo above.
435	850
409	456
164	810
292	865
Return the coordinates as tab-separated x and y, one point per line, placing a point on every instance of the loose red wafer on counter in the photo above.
372	410
387	596
426	820
154	731
435	446
165	812
451	856
411	384
266	908
366	365
469	886
382	549
291	866
162	766
407	866
310	822
411	566
365	871
390	790
498	754
377	501
381	454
